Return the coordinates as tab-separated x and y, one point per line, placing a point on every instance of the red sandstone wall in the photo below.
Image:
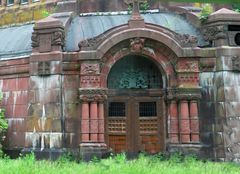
15	101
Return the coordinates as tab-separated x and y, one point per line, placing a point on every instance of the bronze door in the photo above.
135	123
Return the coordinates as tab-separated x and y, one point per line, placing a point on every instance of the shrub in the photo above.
207	9
3	127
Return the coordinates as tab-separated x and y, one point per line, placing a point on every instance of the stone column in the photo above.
101	127
94	121
194	121
184	122
173	128
85	124
96	146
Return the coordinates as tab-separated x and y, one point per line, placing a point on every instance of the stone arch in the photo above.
158	34
163	57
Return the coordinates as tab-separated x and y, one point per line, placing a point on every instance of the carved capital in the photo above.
92	94
214	33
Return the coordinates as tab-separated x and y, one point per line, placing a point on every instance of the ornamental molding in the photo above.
92	94
184	94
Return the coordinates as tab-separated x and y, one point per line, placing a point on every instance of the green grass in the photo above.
118	165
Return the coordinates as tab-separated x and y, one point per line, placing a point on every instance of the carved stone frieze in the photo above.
92	94
90	69
236	63
188	66
91	42
137	44
186	40
214	33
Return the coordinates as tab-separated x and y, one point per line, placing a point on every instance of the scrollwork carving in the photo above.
186	40
58	38
214	33
35	40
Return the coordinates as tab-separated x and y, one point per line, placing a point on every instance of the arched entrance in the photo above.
135	117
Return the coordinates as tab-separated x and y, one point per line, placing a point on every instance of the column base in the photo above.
202	151
89	151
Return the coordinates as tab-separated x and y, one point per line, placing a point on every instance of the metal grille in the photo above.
134	72
147	109
116	109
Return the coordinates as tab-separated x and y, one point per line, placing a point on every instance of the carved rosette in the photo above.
137	44
90	69
214	33
93	94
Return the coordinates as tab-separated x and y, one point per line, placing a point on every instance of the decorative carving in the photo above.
90	69
35	40
137	44
58	38
93	94
188	78
236	63
90	81
44	68
91	42
186	40
187	66
214	33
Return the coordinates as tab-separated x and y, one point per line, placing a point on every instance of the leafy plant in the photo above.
144	6
207	9
236	7
3	126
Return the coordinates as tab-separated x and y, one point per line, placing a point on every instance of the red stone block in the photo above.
71	82
20	111
12	84
194	125
8	111
23	84
174	138
101	126
185	138
101	138
174	126
20	97
94	137
85	138
85	126
195	138
94	126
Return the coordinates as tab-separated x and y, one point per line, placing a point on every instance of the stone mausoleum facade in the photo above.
94	83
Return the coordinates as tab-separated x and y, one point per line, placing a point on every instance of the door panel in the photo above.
135	124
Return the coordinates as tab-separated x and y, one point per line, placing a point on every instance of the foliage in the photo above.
207	9
3	127
119	164
236	7
144	6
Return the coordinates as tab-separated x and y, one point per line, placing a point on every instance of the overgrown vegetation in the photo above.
3	127
207	9
158	164
236	7
144	6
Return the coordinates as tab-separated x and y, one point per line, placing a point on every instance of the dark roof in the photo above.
85	27
15	41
